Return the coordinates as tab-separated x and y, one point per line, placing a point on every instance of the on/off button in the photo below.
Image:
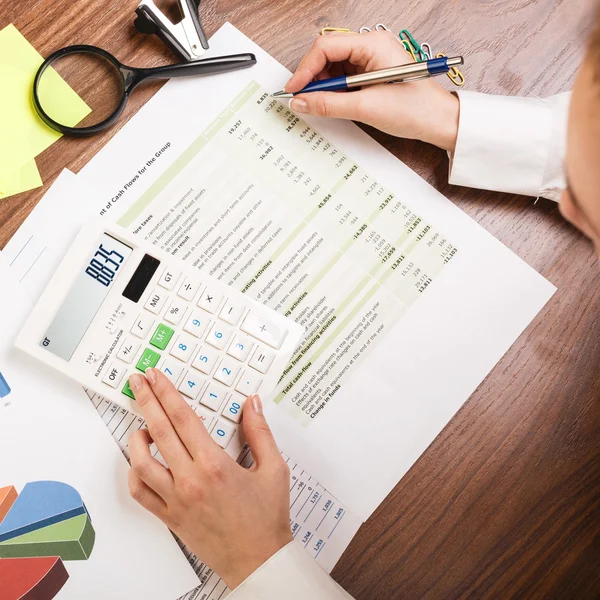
114	374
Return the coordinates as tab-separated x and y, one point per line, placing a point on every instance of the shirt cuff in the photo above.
291	574
510	144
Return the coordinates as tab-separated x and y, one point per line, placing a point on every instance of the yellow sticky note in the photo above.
22	134
27	177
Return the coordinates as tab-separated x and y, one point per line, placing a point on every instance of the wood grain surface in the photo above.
506	501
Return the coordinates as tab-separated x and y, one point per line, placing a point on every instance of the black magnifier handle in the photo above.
205	66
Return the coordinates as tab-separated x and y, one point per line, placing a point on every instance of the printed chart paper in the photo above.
66	519
407	302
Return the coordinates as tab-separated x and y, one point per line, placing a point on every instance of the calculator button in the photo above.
231	312
263	330
191	385
172	369
148	360
240	347
197	323
227	371
214	396
222	433
218	336
210	300
127	390
175	311
162	336
233	408
183	348
189	289
114	375
168	279
156	301
262	359
205	416
128	350
249	382
142	325
206	360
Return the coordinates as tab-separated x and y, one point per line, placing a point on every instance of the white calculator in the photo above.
117	306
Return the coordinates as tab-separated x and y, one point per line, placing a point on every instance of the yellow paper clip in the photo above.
408	47
456	77
327	30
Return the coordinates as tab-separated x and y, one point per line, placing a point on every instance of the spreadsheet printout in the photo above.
408	303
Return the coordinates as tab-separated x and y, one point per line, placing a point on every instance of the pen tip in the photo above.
282	94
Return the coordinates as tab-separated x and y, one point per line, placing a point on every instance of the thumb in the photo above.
258	434
343	105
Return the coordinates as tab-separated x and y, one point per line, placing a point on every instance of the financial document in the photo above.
407	302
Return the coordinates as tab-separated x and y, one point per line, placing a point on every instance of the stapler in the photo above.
186	38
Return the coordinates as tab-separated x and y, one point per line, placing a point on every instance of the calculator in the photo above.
118	305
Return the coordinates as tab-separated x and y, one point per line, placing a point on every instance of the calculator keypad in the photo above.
213	348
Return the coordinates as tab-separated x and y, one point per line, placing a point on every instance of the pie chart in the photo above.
44	525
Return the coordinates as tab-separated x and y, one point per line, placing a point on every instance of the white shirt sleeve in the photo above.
291	574
509	144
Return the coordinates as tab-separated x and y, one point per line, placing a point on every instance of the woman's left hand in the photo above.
233	519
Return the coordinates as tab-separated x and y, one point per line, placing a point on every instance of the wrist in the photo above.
446	130
238	570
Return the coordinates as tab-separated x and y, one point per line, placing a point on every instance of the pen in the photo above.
400	74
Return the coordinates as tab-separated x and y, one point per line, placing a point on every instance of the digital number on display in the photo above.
104	265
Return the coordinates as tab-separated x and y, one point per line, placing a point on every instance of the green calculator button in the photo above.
127	390
148	361
162	336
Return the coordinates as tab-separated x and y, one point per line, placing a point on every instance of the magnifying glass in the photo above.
105	84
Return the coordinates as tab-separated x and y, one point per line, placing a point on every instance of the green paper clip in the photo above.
415	48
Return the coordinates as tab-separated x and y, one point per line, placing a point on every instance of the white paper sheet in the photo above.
49	431
435	353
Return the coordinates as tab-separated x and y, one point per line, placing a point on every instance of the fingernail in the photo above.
256	404
299	105
136	382
151	375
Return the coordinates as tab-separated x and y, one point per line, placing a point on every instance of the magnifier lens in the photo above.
95	79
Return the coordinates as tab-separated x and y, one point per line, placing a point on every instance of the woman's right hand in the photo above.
421	110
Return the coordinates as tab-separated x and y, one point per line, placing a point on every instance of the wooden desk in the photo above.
506	501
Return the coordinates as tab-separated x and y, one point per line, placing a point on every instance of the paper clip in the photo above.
456	77
408	47
327	30
426	46
364	30
406	36
382	27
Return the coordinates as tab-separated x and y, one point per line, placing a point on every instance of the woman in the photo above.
237	520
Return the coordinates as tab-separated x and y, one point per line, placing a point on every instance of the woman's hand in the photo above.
232	518
421	110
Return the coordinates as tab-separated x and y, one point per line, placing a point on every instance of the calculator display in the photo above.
85	297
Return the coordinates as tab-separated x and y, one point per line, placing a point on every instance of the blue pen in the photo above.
400	74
